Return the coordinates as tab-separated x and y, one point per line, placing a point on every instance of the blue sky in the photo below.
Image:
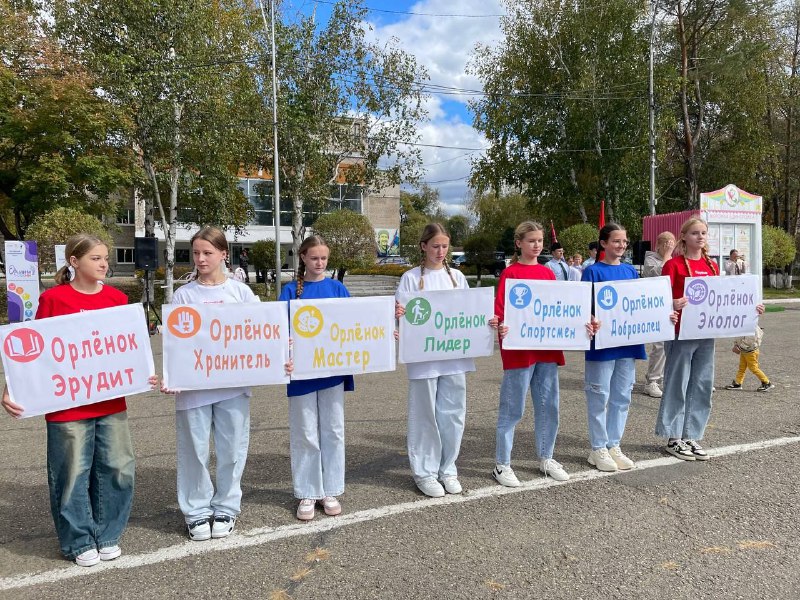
441	34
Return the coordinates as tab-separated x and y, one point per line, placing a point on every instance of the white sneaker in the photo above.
199	530
222	526
652	390
504	475
110	552
431	487
551	467
89	558
602	460
452	485
623	462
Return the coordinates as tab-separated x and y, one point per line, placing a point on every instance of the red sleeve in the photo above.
500	297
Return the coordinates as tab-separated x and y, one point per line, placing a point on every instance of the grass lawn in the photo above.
781	294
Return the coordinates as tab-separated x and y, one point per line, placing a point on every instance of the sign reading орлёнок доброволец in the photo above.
547	315
342	336
720	307
78	359
211	346
444	324
633	311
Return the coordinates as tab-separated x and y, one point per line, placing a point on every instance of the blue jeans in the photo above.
436	410
316	443
542	381
608	386
230	421
688	379
90	470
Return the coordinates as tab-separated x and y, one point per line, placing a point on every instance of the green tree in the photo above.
777	248
350	238
495	215
59	140
262	256
180	70
458	226
576	238
56	226
329	71
479	250
410	234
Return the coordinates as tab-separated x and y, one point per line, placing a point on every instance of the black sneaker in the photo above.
734	386
697	450
765	387
679	449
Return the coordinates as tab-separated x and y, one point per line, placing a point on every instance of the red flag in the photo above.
552	233
601	223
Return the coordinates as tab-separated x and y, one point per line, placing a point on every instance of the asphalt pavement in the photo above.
723	529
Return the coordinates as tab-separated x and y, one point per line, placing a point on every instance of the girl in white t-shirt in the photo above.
437	392
208	512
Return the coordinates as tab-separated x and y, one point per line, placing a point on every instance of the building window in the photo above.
124	256
126	216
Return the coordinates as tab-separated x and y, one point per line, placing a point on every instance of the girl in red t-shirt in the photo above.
689	370
90	462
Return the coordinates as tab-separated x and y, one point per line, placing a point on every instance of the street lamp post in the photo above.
652	111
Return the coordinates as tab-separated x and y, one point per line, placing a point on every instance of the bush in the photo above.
576	239
56	226
392	270
777	247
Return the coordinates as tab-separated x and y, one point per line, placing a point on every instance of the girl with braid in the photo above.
316	406
437	390
689	370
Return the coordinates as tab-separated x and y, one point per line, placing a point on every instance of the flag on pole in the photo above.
601	223
553	239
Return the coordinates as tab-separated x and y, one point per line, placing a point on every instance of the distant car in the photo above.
458	261
495	268
393	260
544	258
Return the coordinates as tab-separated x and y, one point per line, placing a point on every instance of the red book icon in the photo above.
23	345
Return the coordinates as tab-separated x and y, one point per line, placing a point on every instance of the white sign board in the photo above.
22	280
211	346
60	254
720	307
342	336
547	315
633	311
445	324
73	360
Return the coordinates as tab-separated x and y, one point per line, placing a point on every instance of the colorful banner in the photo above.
547	315
22	280
74	360
211	346
446	324
388	240
634	311
720	307
342	336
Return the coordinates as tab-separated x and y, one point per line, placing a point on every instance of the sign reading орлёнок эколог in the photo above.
342	336
720	307
445	324
547	315
211	346
633	311
78	359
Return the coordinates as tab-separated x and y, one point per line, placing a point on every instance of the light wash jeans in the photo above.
316	443
90	470
655	364
688	379
230	422
542	381
437	408
608	385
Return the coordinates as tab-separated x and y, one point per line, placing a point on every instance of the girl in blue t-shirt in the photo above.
610	373
316	406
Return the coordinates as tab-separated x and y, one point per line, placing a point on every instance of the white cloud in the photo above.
444	46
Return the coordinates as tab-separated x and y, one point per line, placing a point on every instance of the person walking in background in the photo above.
592	255
316	406
735	264
653	264
244	263
557	264
437	390
747	347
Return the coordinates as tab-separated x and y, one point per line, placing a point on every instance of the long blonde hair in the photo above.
704	250
311	241
431	231
520	232
78	246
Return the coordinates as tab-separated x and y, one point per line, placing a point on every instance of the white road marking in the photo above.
264	535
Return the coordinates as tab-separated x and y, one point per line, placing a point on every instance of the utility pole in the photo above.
652	112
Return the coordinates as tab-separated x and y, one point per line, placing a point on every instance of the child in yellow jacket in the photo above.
747	347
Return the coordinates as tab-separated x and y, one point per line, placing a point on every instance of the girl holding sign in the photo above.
524	370
316	406
90	462
610	373
226	412
437	390
689	370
